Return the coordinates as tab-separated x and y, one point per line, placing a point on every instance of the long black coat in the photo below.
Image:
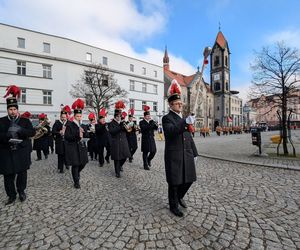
92	142
180	150
15	161
103	136
132	139
59	142
119	143
42	143
147	130
76	150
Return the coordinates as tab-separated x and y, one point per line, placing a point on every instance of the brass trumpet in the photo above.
41	129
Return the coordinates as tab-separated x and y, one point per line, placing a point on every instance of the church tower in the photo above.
220	80
166	60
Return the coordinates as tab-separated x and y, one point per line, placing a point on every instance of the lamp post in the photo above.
206	53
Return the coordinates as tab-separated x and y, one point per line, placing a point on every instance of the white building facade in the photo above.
45	66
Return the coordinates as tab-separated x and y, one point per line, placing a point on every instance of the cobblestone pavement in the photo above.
239	148
231	206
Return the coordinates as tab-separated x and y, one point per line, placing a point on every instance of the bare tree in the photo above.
276	72
99	88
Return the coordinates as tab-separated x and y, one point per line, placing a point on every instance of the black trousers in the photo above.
101	154
177	192
76	173
147	157
132	151
39	153
118	164
61	161
9	183
93	154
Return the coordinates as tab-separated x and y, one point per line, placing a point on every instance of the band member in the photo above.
148	126
131	133
75	146
41	142
15	147
92	142
58	132
180	151
119	145
103	138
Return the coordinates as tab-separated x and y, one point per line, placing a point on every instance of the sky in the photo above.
142	28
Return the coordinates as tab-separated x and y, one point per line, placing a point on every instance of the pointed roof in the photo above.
183	80
221	40
166	56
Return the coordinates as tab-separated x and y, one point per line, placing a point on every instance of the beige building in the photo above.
217	103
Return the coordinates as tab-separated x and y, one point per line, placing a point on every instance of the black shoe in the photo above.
101	165
67	167
177	212
182	203
38	159
46	156
130	160
22	196
77	185
10	201
149	163
146	168
107	159
61	171
118	175
121	169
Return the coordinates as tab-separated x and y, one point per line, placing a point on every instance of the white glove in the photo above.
190	120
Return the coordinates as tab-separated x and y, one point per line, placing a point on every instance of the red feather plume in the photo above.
78	104
131	111
124	114
146	108
102	112
13	90
92	116
26	115
119	105
67	109
42	116
174	88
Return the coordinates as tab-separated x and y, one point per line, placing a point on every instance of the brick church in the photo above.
217	104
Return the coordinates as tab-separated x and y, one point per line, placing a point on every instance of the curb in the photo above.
250	163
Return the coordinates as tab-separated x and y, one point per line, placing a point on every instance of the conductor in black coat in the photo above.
58	132
42	143
103	140
131	136
75	146
15	158
148	126
119	144
180	153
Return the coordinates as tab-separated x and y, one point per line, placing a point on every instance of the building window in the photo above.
131	68
218	108
89	57
155	73
217	86
131	103
226	84
104	60
89	100
21	43
144	87
47	71
144	103
155	106
144	71
105	80
47	97
226	61
21	68
22	98
131	85
217	61
46	47
155	89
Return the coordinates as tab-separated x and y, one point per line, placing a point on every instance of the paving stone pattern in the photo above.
231	206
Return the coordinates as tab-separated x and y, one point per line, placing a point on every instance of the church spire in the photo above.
166	59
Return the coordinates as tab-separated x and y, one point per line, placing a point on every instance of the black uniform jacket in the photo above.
180	150
59	140
147	130
76	149
132	139
19	160
102	135
42	143
119	143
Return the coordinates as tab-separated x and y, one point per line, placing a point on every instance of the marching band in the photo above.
75	142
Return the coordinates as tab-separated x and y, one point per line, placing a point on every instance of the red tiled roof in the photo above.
181	79
221	40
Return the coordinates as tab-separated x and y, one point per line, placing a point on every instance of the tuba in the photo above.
41	129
